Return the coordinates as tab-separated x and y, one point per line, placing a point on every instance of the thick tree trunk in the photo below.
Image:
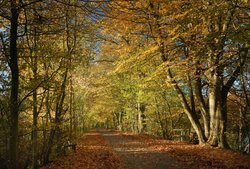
14	107
217	109
218	99
223	121
214	117
218	123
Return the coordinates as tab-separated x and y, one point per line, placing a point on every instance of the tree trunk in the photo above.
59	109
47	115
213	111
223	121
163	127
71	119
119	119
192	116
218	121
201	102
34	132
143	117
217	109
14	106
35	111
139	122
49	146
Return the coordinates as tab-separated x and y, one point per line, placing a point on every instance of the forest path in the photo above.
106	149
138	155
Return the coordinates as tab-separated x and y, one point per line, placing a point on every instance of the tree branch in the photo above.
243	55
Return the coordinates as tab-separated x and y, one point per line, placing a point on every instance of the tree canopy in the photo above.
147	66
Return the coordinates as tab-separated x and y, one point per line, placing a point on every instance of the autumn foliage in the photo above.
175	69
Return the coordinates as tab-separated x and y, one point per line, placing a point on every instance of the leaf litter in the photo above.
95	151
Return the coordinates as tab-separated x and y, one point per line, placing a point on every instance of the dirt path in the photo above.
105	149
138	155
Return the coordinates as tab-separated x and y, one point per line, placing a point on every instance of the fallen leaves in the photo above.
197	156
93	152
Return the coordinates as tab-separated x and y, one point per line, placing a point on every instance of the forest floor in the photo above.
105	149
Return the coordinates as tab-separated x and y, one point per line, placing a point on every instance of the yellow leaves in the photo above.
3	23
159	72
129	61
180	15
245	1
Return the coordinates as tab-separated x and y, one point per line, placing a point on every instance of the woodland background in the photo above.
165	68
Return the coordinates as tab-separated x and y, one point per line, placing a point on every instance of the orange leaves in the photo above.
198	156
92	153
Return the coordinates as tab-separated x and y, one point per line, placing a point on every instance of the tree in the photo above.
197	45
29	32
13	63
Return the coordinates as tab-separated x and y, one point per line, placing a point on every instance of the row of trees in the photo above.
143	66
43	44
166	58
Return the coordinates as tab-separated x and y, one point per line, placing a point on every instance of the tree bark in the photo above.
201	102
14	106
213	108
72	117
139	122
34	132
35	102
217	105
